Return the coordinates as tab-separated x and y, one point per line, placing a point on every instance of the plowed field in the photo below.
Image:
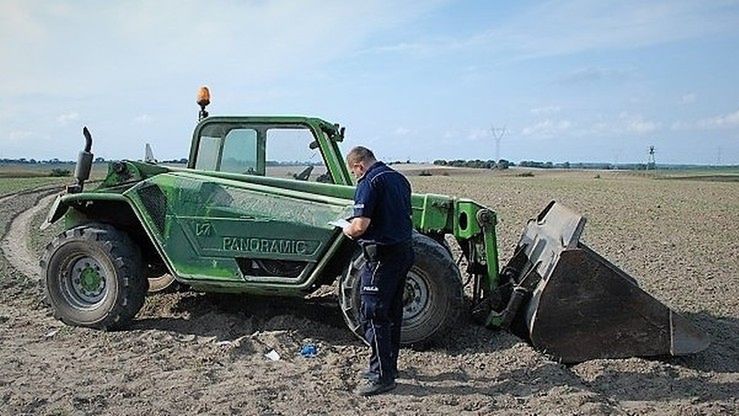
189	353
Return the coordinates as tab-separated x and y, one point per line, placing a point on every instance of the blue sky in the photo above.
570	80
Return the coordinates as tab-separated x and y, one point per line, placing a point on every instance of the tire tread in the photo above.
126	259
423	246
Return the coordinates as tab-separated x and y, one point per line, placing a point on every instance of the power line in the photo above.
718	156
498	134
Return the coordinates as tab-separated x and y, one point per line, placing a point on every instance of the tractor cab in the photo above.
287	147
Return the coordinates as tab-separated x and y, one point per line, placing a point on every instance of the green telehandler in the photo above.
235	220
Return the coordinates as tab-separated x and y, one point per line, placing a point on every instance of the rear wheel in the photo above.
92	276
432	301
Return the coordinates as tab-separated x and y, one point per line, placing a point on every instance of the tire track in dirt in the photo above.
14	245
7	197
39	189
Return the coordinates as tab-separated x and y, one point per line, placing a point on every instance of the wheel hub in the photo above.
90	279
415	296
87	280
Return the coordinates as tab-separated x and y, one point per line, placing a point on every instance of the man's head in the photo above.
359	159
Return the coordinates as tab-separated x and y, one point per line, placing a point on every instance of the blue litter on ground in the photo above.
309	351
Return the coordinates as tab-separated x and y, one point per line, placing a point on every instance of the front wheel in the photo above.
432	301
93	277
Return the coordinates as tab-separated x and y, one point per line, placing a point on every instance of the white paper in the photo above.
272	355
341	223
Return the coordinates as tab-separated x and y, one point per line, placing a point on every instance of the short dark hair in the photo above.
360	154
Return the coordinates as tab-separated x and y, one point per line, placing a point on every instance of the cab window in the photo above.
239	151
290	155
208	153
228	150
285	151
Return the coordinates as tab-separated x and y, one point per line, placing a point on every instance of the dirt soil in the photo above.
190	353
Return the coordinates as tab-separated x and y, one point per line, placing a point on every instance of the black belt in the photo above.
374	251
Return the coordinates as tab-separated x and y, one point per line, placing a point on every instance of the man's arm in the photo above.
357	226
365	199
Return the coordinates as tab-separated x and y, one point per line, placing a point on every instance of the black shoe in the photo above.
373	387
369	375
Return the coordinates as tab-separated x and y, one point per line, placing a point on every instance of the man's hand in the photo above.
357	226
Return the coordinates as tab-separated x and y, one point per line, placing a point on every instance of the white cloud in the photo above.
116	56
17	135
722	121
680	125
599	127
18	18
547	128
451	134
592	74
688	98
65	118
142	119
477	134
625	124
253	42
547	110
631	24
642	126
572	26
636	124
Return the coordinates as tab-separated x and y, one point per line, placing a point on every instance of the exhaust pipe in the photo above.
84	164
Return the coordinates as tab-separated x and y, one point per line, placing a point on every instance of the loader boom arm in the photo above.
473	227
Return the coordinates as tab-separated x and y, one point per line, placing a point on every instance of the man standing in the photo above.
382	222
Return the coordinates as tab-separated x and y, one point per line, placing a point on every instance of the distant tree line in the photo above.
505	164
54	161
182	161
583	165
24	161
476	163
293	163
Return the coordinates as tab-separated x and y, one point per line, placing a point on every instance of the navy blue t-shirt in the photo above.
384	196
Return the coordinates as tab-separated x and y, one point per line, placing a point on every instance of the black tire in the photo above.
439	238
92	276
426	319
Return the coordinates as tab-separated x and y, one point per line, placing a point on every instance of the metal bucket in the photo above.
583	307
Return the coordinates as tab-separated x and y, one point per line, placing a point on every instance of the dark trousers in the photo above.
383	284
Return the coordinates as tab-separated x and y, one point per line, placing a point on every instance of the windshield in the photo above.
283	151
